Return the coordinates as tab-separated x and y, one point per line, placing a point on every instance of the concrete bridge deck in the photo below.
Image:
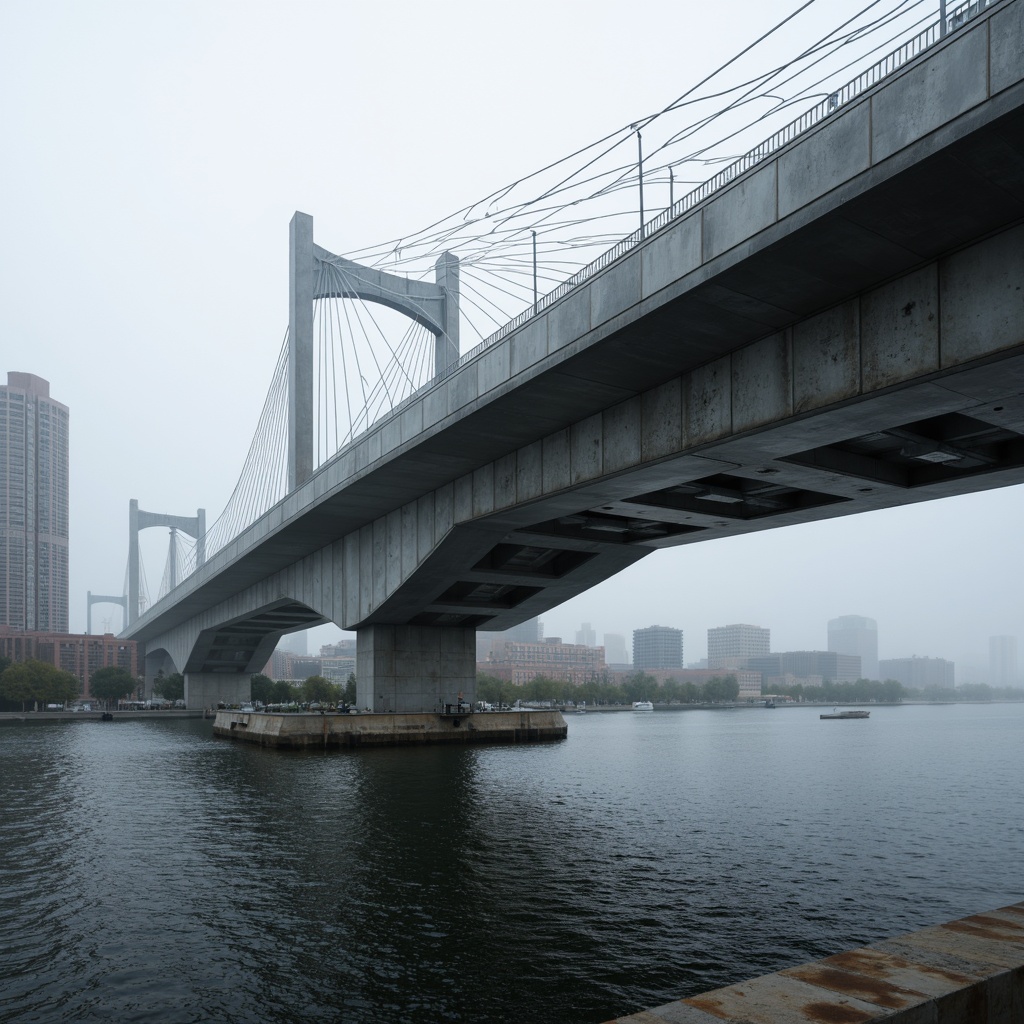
840	329
969	971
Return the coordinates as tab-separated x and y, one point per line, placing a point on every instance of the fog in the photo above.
153	155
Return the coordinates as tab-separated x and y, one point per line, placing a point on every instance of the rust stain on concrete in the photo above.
834	1013
869	989
880	965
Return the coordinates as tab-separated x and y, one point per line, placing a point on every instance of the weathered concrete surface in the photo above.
415	668
969	971
389	730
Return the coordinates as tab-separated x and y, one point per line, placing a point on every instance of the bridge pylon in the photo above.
91	599
194	526
434	306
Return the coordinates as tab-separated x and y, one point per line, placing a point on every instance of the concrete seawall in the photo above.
969	971
387	730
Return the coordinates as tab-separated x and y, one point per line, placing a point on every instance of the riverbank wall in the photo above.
969	971
296	731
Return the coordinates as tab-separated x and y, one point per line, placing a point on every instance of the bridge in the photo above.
835	324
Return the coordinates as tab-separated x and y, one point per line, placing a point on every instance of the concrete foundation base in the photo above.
414	668
362	730
208	689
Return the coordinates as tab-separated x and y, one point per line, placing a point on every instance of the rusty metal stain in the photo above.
877	964
834	1013
870	989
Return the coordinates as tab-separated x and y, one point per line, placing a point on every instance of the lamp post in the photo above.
640	174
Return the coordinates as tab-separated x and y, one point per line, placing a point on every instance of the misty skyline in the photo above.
154	155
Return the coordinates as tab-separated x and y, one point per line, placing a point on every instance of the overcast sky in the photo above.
152	155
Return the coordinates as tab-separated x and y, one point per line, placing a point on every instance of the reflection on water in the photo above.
151	873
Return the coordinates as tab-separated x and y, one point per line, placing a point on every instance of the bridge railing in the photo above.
865	81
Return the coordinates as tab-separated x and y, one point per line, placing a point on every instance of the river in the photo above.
151	873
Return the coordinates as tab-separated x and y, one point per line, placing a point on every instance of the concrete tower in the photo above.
855	634
34	512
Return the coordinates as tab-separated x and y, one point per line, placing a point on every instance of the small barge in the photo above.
848	714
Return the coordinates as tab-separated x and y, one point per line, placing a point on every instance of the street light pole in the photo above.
534	233
640	169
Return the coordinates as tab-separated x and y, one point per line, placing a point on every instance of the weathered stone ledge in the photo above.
969	971
396	729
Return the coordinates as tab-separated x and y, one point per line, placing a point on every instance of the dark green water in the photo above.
151	873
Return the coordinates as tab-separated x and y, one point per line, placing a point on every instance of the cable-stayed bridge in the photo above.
834	323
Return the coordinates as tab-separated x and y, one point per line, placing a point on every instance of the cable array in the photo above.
526	244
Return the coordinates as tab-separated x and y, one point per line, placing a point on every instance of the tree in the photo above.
111	683
283	692
316	688
261	688
170	687
349	696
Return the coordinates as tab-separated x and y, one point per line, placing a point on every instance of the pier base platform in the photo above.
389	730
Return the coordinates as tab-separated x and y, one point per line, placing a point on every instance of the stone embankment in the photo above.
969	971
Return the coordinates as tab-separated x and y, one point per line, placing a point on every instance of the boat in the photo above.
847	714
642	705
769	703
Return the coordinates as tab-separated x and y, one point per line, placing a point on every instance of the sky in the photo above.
153	154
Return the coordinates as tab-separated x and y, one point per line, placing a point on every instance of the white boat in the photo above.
642	705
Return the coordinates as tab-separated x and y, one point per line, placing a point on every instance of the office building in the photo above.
855	634
33	506
919	673
657	647
519	662
805	666
1002	661
615	650
729	645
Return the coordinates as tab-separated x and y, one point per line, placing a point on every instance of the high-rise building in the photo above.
729	645
615	649
657	647
33	506
586	635
856	634
919	673
1002	661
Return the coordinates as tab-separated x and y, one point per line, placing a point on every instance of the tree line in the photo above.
32	682
314	689
638	686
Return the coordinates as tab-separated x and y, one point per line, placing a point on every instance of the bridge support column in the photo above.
207	689
414	668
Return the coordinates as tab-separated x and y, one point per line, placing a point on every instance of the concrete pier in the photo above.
969	971
388	730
